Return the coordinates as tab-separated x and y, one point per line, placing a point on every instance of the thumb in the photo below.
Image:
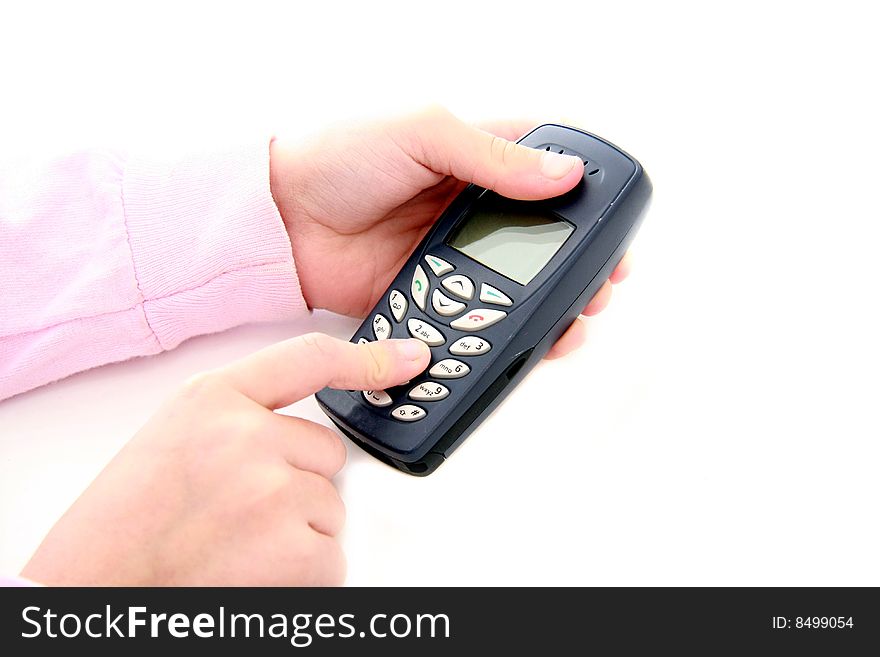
291	370
445	144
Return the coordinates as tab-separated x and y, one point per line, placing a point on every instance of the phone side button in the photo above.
478	319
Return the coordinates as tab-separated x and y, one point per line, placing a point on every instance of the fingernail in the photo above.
556	166
412	349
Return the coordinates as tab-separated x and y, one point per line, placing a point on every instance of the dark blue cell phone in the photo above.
490	289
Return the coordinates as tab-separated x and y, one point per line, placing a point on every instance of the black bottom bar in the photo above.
520	621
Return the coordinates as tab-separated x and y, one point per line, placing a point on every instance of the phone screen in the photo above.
510	239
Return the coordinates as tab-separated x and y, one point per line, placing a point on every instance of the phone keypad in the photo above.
449	299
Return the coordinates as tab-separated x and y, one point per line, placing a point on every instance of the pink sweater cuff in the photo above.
208	245
13	582
103	259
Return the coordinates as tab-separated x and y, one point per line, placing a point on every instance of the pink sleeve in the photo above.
103	258
13	582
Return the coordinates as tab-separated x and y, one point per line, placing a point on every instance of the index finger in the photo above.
286	372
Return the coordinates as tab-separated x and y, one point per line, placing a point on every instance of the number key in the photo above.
397	301
425	332
429	391
449	368
378	398
381	327
469	345
408	413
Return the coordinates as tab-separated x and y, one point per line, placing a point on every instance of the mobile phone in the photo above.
490	288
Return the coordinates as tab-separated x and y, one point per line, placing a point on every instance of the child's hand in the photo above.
216	488
358	200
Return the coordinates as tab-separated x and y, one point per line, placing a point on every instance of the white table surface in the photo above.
720	426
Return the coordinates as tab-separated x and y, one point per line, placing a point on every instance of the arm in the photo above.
103	258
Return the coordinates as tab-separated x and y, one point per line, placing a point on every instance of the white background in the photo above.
721	425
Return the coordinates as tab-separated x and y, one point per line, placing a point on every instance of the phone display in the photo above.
512	240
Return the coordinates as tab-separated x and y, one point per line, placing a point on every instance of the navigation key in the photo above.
460	286
489	294
438	265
